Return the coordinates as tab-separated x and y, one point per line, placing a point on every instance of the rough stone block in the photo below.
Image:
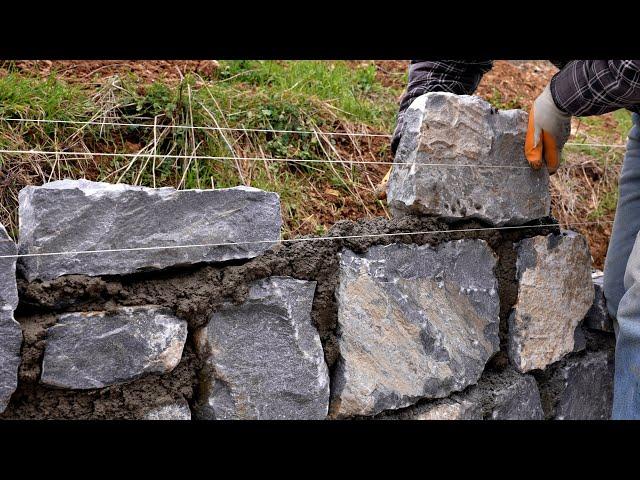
598	317
518	400
414	322
10	331
555	292
171	411
78	215
10	343
443	128
264	359
584	387
89	350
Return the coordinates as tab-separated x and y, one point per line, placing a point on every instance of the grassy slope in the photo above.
302	95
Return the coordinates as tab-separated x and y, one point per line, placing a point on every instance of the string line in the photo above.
256	130
291	240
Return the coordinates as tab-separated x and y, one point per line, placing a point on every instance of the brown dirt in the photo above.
83	71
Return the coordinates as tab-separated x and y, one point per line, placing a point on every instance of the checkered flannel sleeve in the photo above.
594	87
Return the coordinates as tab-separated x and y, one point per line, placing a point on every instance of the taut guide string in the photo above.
291	240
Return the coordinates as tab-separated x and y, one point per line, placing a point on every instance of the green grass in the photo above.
297	96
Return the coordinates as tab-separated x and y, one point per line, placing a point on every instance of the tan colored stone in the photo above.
554	294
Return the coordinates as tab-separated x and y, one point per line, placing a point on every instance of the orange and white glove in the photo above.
549	129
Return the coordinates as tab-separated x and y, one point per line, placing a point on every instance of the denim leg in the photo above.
627	221
622	283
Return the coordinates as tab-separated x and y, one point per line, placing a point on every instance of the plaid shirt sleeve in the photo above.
456	76
594	87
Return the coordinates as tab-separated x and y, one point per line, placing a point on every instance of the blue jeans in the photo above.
622	282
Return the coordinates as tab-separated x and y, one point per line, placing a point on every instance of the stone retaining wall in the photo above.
442	321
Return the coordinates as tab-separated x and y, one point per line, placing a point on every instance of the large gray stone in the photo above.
10	343
10	331
78	215
88	350
585	386
414	322
170	411
264	359
598	318
518	400
443	128
8	287
555	292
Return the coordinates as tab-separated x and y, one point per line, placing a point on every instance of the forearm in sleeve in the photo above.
594	87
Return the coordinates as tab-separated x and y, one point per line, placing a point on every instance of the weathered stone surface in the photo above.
10	331
598	317
88	350
10	343
171	411
264	357
8	288
518	400
554	293
414	322
585	387
443	128
78	215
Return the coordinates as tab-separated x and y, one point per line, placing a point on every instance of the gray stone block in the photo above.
585	387
87	350
598	318
79	215
414	322
555	292
264	359
10	331
443	128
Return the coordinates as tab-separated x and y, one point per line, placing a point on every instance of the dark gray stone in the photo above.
10	343
8	288
10	331
554	294
78	215
87	350
518	400
264	359
585	386
443	128
598	318
414	322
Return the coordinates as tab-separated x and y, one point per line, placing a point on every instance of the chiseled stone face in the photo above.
555	292
443	128
518	400
88	350
414	322
264	359
10	343
10	331
586	387
79	215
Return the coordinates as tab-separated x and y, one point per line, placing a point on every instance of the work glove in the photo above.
549	129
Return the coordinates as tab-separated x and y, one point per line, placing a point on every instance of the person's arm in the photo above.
456	76
581	88
594	87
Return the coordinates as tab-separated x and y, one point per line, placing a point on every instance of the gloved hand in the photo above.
549	129
397	133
